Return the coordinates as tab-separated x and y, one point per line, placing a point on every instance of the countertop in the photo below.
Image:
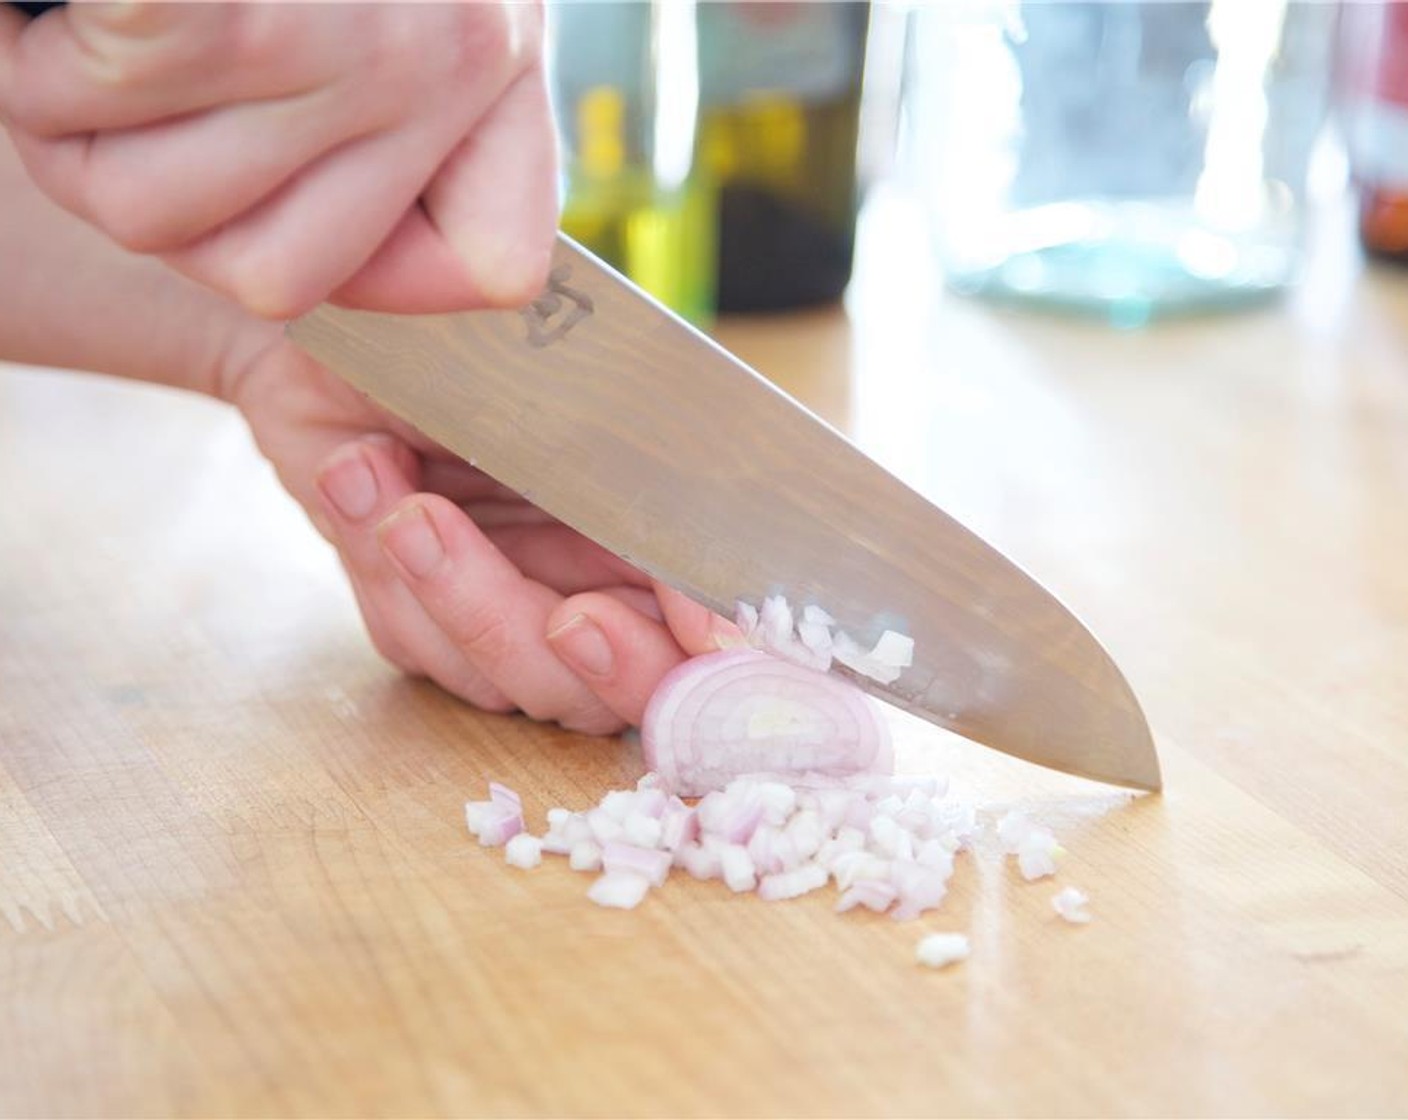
234	872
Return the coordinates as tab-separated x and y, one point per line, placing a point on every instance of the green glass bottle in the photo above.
625	87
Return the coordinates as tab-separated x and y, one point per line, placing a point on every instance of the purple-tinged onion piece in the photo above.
723	715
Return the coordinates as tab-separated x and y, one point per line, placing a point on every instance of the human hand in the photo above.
392	156
459	579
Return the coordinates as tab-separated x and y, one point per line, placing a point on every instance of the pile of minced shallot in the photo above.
775	778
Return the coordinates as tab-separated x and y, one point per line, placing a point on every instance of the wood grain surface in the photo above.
235	878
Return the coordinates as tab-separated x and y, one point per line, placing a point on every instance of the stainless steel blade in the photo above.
614	415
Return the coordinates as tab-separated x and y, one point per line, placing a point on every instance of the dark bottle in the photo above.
780	90
1373	92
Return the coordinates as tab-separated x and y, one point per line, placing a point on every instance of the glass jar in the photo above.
1126	159
1372	73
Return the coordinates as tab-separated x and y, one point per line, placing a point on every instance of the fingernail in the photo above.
581	642
351	486
411	539
725	634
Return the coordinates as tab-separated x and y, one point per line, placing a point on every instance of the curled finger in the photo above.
619	651
360	484
494	615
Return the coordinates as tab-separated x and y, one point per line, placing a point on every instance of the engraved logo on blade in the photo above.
557	310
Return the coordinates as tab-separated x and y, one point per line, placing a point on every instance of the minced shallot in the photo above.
621	890
584	856
1034	845
524	851
759	835
1070	903
812	640
888	844
789	775
939	949
493	822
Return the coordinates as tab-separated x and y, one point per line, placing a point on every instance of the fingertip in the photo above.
413	272
495	199
696	628
511	273
620	653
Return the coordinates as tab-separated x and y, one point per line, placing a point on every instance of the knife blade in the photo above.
611	413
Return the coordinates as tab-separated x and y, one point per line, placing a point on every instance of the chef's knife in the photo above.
617	417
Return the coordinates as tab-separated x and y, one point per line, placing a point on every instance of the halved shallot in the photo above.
723	715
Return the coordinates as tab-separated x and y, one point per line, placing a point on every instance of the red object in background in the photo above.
1373	83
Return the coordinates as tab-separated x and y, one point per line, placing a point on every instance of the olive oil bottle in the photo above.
710	148
625	85
780	91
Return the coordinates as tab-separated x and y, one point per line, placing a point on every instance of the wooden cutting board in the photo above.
235	879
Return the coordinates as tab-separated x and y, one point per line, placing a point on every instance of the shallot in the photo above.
523	851
939	949
1070	903
723	715
585	856
873	894
1034	845
621	890
812	640
653	865
736	868
792	884
792	770
495	822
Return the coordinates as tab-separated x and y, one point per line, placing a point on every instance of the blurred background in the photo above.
1120	161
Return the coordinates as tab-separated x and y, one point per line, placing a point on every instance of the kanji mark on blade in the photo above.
557	310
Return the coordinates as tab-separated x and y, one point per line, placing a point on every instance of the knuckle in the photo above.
539	709
257	37
117	61
140	47
269	283
484	633
398	51
494	41
488	35
481	694
391	650
126	214
466	683
595	721
23	111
